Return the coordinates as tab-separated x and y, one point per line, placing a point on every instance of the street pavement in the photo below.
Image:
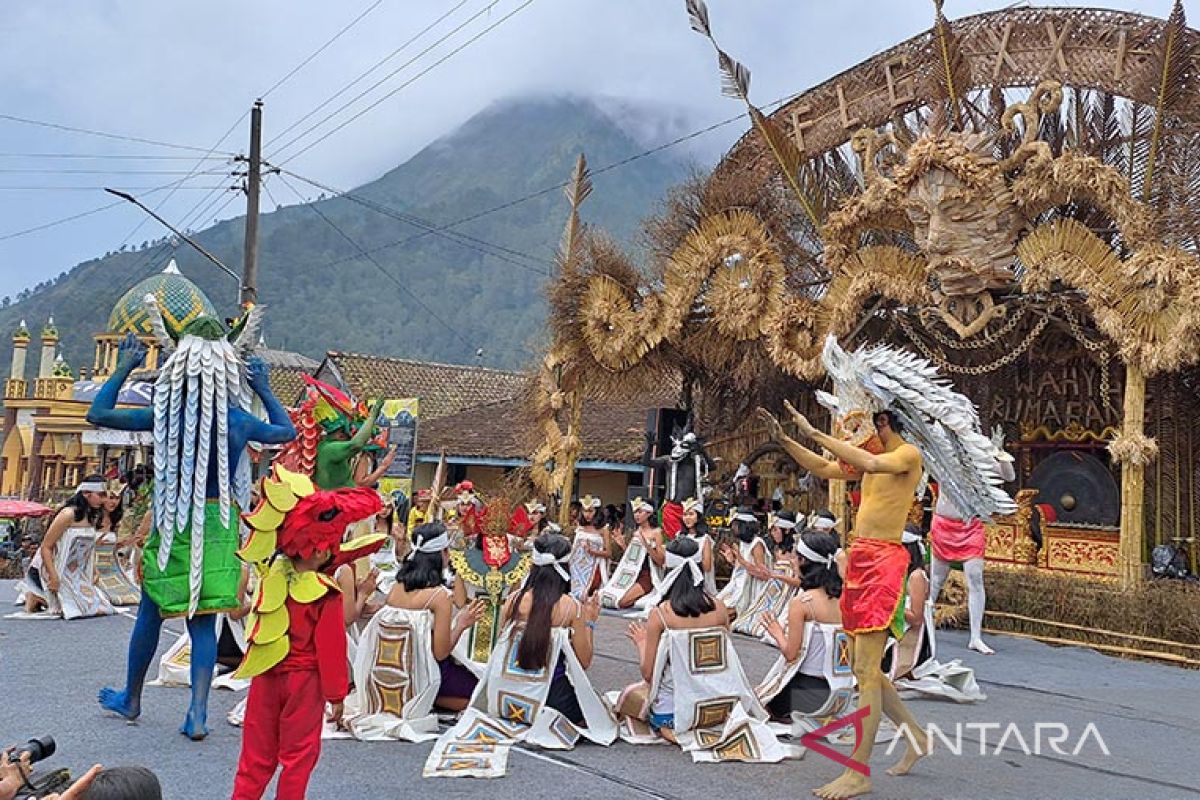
1146	714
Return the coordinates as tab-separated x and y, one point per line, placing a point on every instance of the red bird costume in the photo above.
296	634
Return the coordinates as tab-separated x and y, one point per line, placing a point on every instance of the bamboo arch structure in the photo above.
1024	162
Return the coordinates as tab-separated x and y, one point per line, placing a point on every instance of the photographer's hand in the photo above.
13	775
78	789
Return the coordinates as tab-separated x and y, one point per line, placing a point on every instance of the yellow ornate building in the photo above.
48	444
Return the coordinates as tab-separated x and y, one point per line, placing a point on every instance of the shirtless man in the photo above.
652	566
874	571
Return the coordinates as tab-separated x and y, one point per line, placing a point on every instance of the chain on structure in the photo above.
978	343
979	369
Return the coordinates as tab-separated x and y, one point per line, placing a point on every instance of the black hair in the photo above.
686	598
114	516
576	507
893	421
422	570
599	517
815	575
546	587
747	530
788	541
916	558
124	783
79	504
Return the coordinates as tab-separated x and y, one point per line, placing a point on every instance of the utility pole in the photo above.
253	182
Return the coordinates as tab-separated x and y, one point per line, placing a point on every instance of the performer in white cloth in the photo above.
695	528
404	667
783	579
693	690
797	685
590	550
535	688
751	564
114	555
640	570
62	574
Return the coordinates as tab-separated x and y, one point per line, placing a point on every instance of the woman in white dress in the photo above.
62	574
590	550
751	564
783	577
695	529
115	556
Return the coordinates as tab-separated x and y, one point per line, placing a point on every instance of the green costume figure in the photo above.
334	429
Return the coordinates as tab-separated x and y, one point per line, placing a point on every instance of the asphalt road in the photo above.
1146	714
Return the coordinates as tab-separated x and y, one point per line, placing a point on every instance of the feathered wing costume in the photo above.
201	379
938	421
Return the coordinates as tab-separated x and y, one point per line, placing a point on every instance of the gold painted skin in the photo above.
889	481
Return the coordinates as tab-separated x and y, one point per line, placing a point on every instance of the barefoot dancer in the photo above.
870	416
202	424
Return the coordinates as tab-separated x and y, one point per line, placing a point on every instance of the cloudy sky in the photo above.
185	73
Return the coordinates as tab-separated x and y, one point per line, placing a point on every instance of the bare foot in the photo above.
848	784
914	751
979	647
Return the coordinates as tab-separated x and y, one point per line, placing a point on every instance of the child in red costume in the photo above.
297	653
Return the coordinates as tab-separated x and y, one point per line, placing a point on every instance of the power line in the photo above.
399	88
479	245
363	75
364	254
36	171
4	188
320	49
117	136
560	186
110	156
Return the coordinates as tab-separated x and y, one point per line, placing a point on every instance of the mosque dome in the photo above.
179	300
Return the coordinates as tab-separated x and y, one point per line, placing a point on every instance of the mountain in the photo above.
320	297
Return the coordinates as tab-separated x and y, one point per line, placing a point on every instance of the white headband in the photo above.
782	524
535	507
589	502
822	524
813	555
642	505
541	559
92	486
435	545
676	563
741	516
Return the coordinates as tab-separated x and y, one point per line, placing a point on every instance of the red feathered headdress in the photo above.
319	520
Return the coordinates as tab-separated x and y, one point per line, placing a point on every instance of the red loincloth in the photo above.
873	590
956	540
672	518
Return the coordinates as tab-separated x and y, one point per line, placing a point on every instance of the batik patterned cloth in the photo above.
222	571
78	594
956	539
111	575
773	598
743	588
628	570
873	592
717	715
396	678
510	705
584	566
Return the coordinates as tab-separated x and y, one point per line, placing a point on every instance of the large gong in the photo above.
1079	487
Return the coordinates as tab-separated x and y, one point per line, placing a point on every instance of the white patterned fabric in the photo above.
739	594
717	716
703	540
834	668
112	573
627	572
584	565
509	706
773	598
396	678
78	594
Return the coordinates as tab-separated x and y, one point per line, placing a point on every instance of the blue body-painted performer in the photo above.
202	424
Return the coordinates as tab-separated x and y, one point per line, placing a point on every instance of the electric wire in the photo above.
370	259
321	49
393	92
345	88
106	135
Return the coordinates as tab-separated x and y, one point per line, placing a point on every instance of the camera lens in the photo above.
38	749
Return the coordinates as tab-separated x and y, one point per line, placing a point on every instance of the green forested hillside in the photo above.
320	299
